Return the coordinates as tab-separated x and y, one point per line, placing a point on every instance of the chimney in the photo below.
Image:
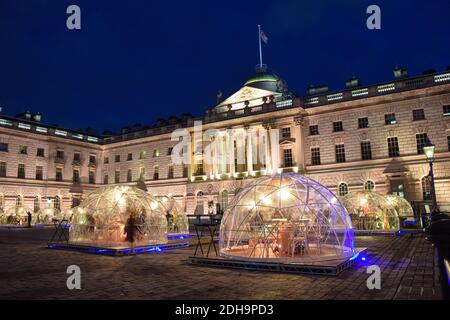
400	73
37	117
313	90
352	83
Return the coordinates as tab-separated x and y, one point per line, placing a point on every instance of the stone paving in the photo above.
28	270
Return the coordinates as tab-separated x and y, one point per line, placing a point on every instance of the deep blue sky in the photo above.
139	60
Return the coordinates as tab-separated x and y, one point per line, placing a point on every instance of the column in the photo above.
249	152
268	158
231	151
299	147
275	148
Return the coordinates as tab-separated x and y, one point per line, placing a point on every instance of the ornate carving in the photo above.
299	121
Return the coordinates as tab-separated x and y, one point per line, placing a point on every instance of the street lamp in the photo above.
428	149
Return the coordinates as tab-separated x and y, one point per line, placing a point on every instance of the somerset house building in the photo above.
361	138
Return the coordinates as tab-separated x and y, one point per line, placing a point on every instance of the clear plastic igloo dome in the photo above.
45	216
405	211
370	211
15	216
177	220
102	216
286	217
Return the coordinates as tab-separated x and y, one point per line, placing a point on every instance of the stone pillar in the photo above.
231	151
299	141
268	159
249	151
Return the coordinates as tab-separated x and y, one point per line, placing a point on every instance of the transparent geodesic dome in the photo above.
177	220
45	216
407	218
69	213
370	211
15	216
102	216
286	217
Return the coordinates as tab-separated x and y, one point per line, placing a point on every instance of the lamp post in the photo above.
428	149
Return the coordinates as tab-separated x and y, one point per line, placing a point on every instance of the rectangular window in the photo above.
129	175
59	174
91	177
105	179
314	130
170	172
143	155
60	154
40	152
76	176
340	153
418	114
156	173
23	150
169	151
185	171
3	147
337	126
77	157
21	171
155	153
92	159
420	142
366	150
393	148
363	123
39	173
315	156
129	157
117	158
106	160
287	158
286	132
3	169
446	110
390	118
117	177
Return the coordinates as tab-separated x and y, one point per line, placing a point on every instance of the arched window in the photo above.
19	201
369	185
37	204
223	199
76	200
57	203
342	189
426	187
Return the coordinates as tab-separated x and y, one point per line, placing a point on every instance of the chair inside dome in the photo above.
370	211
288	218
101	218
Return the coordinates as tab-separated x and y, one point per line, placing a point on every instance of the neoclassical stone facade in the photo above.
362	137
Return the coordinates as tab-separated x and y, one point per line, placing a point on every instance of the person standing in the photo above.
29	218
131	229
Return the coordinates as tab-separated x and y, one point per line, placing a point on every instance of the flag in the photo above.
264	37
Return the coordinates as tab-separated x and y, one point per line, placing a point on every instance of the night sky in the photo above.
138	60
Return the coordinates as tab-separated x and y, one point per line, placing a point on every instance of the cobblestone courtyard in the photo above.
28	270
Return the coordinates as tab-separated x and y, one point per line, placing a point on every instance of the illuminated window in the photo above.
342	189
155	153
143	155
390	118
369	185
57	203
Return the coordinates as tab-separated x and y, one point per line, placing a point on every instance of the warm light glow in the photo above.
429	151
251	205
363	201
283	193
153	205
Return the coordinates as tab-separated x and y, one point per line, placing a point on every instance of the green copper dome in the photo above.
266	80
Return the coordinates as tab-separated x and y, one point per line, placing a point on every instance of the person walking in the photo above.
131	229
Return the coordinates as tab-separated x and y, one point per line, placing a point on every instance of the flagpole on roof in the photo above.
260	49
